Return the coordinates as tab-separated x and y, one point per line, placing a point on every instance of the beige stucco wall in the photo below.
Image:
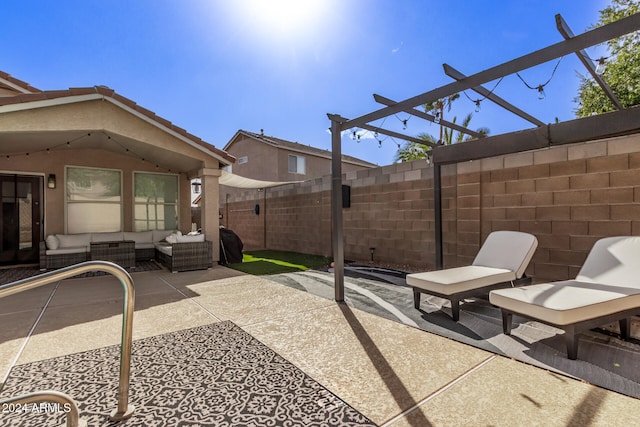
269	163
103	115
54	163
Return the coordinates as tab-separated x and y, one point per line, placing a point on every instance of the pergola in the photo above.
619	122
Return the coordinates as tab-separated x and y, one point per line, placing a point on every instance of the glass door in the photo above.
21	217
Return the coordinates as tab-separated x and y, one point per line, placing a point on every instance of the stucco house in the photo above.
90	160
268	158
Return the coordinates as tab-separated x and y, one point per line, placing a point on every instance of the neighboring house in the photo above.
273	159
90	160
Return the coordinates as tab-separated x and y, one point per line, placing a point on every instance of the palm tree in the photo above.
437	107
413	150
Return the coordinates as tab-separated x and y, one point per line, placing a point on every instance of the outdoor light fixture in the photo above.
477	105
602	65
51	181
196	187
372	250
541	94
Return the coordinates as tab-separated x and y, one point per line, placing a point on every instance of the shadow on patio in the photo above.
217	328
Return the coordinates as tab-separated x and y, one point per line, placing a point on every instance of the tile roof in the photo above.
39	95
24	85
303	148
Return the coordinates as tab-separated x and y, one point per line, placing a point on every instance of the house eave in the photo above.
73	99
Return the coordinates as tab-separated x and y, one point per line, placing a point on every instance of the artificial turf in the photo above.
265	262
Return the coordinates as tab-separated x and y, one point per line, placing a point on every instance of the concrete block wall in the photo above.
568	196
240	217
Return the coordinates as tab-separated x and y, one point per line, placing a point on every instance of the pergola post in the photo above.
337	235
437	213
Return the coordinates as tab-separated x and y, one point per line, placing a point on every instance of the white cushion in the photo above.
165	249
52	242
510	250
70	250
192	238
566	302
454	280
614	261
74	240
116	236
159	235
172	238
139	236
608	282
144	246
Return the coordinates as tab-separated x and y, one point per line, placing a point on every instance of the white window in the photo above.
296	164
155	201
243	159
93	200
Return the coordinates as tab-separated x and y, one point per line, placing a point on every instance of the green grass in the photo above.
275	262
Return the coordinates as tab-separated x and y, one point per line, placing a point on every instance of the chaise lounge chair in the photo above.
607	289
500	263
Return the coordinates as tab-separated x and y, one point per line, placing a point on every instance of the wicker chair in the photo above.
187	256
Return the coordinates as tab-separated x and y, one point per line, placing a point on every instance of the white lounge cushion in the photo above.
52	242
69	250
454	280
608	282
613	260
116	236
74	240
509	250
190	239
139	236
566	302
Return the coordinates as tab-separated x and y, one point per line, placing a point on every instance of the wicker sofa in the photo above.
61	250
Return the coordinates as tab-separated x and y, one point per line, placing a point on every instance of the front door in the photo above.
21	218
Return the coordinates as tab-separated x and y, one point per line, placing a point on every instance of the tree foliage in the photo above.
413	151
622	71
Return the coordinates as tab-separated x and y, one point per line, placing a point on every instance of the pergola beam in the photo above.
575	44
339	119
566	32
388	102
482	91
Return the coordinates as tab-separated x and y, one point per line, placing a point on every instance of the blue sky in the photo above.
213	66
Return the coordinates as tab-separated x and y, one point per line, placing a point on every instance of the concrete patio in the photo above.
394	374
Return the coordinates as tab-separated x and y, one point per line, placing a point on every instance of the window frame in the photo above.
298	158
134	203
67	201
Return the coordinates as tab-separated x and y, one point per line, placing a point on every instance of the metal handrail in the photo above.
124	410
69	406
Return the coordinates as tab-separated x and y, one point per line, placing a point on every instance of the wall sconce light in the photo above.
372	251
196	187
51	181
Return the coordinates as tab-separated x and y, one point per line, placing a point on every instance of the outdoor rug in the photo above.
213	375
8	275
603	359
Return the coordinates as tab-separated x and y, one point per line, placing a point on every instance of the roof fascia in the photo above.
14	86
233	139
43	103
